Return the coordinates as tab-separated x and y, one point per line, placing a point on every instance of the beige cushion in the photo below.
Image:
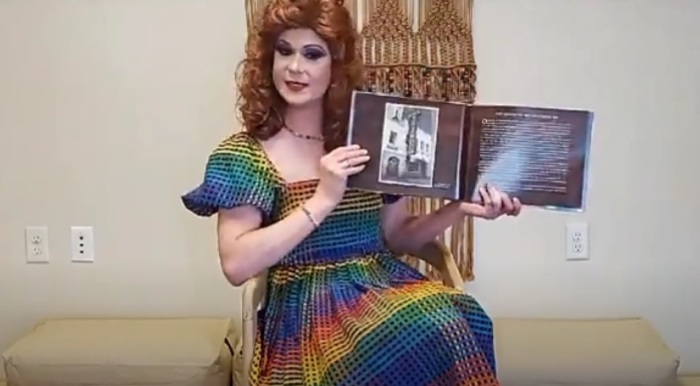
689	380
600	352
187	351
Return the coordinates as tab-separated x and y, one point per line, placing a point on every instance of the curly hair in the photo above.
259	103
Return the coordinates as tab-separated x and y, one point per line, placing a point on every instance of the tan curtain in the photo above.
421	49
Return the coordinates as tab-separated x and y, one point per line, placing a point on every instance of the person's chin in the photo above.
296	99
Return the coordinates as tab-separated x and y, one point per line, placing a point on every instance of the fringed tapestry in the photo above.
421	49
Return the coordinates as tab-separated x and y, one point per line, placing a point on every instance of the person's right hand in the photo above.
335	167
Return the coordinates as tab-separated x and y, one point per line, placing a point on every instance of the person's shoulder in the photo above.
239	143
234	174
240	148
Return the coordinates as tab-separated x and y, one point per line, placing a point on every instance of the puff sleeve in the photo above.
234	175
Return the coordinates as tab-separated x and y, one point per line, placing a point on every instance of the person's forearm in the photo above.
255	251
420	230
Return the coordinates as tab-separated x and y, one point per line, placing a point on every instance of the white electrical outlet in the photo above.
82	243
36	241
577	241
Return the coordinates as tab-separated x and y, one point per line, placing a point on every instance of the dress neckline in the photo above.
275	171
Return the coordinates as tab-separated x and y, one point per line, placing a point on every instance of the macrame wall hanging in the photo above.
421	49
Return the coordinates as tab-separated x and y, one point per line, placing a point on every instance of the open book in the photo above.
447	150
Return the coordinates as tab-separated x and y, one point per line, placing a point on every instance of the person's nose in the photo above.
295	64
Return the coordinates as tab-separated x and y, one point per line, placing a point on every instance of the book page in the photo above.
525	153
535	154
415	146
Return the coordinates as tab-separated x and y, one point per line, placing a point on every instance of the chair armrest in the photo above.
254	293
439	256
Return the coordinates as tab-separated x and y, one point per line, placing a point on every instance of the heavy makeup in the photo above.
301	69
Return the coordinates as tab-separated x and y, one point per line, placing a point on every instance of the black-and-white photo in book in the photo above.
409	135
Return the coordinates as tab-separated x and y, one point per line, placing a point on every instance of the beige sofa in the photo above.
129	351
689	380
208	351
534	352
585	352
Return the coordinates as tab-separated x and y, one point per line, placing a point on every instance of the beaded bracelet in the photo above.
310	217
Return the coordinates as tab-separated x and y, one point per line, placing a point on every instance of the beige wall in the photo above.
108	110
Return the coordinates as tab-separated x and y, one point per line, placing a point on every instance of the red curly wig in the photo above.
260	105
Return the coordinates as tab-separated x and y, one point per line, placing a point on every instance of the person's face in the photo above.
301	69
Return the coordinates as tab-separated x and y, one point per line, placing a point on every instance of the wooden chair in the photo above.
254	293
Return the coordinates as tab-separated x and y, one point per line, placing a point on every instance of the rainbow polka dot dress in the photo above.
341	308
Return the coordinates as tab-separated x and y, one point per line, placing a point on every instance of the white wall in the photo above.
107	111
109	108
636	64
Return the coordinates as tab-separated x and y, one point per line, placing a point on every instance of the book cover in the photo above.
446	150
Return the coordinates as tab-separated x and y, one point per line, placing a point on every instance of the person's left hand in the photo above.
493	204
